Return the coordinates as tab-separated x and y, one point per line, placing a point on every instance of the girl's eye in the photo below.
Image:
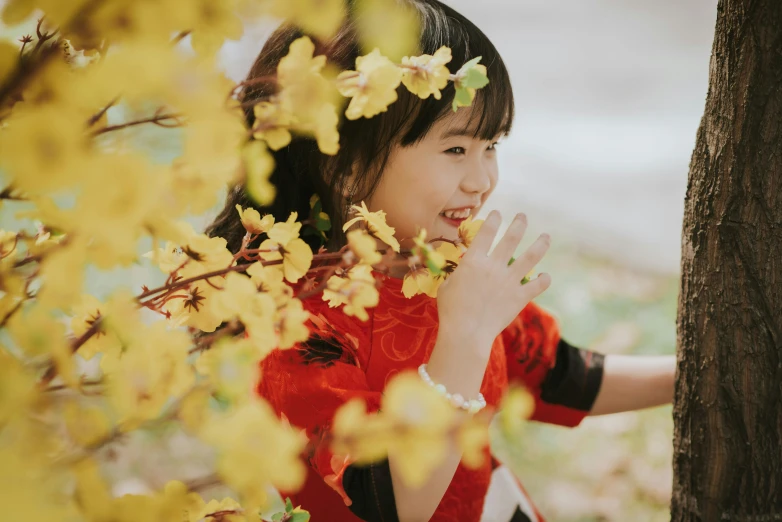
493	146
456	150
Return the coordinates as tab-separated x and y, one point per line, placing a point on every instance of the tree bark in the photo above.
728	400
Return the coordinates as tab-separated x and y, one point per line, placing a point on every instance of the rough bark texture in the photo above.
728	402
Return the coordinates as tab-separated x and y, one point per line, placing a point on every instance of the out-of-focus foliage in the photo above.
78	373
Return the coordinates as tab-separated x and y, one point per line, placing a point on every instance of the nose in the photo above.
480	177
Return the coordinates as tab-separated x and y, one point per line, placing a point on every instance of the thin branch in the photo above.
94	119
157	120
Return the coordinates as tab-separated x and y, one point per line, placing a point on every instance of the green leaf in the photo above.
475	79
301	516
288	505
461	99
433	268
277	517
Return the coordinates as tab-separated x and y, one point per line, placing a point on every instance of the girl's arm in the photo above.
455	362
634	382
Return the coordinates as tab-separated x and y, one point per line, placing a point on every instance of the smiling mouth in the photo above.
452	221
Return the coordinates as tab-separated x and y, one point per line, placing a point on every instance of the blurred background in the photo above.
609	96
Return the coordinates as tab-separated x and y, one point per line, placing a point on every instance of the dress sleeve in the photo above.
306	385
563	379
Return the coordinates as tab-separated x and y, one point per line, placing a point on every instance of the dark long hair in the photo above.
365	144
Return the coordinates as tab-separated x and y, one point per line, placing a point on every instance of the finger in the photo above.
485	237
530	257
536	287
510	241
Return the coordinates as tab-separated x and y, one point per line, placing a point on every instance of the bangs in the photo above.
491	114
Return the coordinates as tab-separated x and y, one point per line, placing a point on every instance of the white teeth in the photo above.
457	214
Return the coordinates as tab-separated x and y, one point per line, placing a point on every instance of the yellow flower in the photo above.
231	365
517	406
424	281
258	168
423	419
85	313
468	229
85	424
391	26
363	436
427	75
292	323
357	292
372	86
216	22
168	258
376	224
308	96
270	279
271	124
216	506
320	18
148	373
284	232
433	259
238	434
473	438
296	255
364	246
7	243
252	221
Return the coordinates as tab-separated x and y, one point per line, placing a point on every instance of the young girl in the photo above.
429	167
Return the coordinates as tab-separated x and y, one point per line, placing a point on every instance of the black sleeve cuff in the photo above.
575	379
371	490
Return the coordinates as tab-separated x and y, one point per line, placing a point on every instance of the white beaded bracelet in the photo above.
471	406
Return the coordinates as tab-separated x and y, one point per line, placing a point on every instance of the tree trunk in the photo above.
728	401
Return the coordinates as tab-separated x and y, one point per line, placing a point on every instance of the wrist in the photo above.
459	363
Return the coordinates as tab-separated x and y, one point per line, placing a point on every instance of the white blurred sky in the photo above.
609	96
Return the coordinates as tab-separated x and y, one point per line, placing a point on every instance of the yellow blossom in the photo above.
226	506
364	246
357	292
272	124
517	406
7	243
376	224
237	436
391	26
363	436
17	387
285	244
292	323
252	221
269	279
468	229
320	18
231	365
425	418
423	281
216	22
308	95
85	424
147	374
427	74
372	86
258	167
85	313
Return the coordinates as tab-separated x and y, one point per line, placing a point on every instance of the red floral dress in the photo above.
346	357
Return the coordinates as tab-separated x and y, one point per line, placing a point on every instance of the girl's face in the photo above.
448	169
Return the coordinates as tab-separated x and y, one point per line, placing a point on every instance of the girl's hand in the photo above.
484	294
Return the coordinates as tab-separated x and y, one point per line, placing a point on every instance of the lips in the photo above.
452	222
